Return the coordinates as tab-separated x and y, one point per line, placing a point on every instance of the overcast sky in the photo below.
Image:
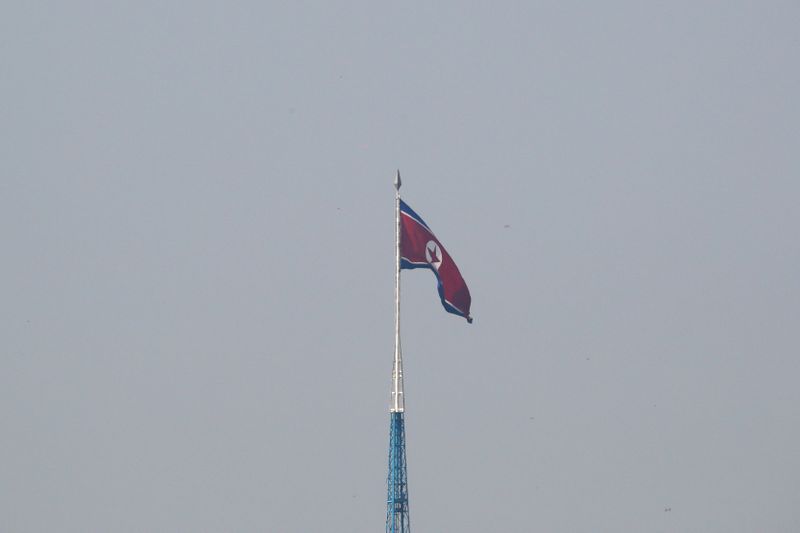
196	274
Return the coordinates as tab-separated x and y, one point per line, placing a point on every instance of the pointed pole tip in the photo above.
397	181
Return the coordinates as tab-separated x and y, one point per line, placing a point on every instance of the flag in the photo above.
419	248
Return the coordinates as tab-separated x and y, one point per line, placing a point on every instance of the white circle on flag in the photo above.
433	254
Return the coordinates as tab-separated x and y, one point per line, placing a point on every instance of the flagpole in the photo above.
398	397
397	516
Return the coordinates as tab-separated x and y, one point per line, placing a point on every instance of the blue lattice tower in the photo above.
397	517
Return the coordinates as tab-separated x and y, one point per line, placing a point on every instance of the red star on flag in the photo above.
434	257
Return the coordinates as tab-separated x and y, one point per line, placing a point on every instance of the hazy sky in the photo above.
196	284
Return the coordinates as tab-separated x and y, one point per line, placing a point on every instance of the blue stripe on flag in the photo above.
410	212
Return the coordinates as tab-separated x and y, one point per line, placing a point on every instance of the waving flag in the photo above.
419	248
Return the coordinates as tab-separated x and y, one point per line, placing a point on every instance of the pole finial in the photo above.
397	182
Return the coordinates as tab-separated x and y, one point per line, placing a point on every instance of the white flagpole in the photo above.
398	398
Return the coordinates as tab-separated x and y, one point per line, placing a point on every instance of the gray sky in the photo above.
196	286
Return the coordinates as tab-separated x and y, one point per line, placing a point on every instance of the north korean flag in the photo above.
419	248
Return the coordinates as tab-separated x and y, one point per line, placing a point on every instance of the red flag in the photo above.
419	248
